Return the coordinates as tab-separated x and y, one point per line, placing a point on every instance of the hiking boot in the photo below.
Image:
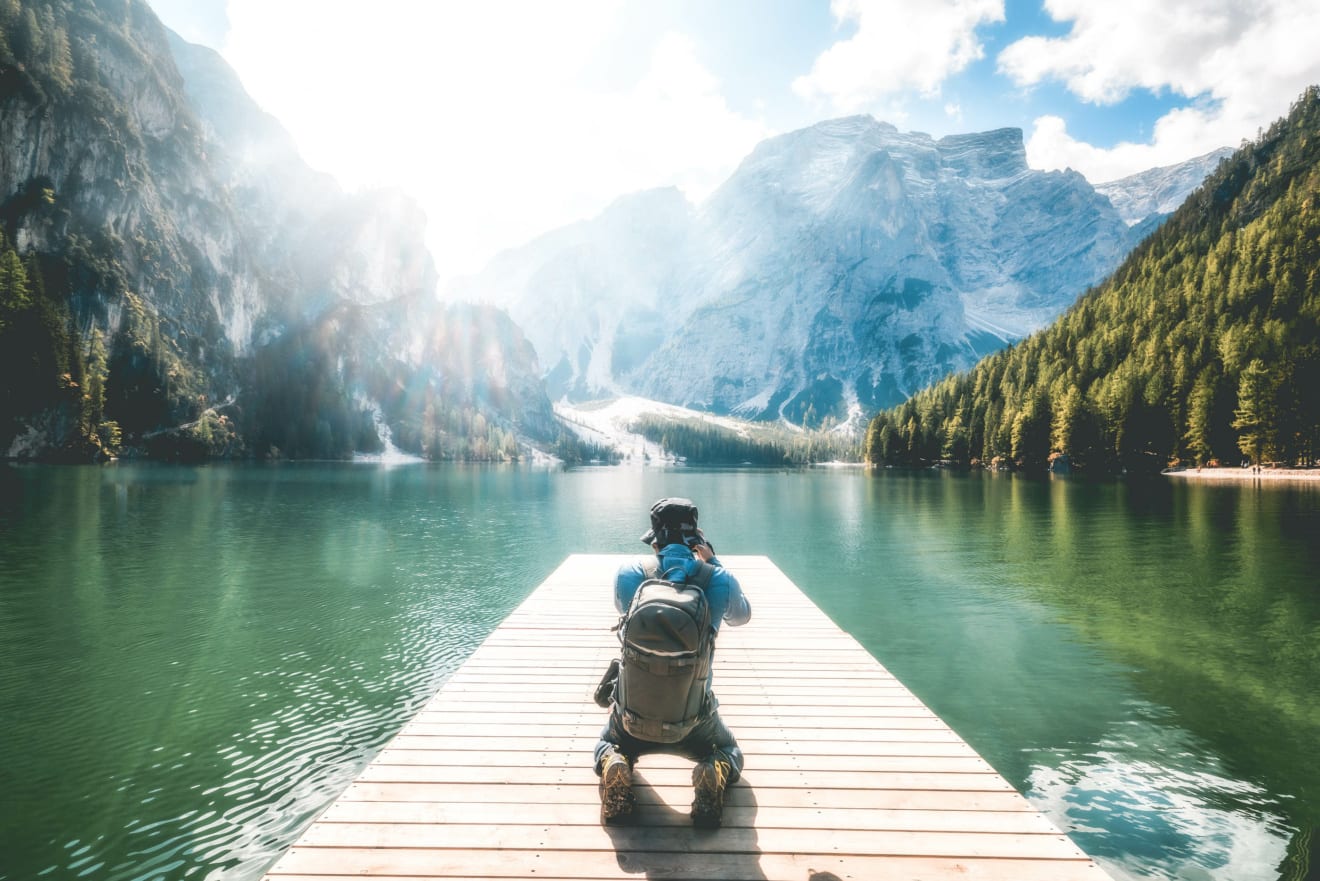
616	794
708	780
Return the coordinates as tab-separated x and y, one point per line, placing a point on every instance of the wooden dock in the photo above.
848	775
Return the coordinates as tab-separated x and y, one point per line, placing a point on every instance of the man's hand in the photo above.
703	552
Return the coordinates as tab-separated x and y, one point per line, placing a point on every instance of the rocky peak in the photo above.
189	236
987	155
840	268
1159	191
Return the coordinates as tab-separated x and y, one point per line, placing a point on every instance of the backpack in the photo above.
668	644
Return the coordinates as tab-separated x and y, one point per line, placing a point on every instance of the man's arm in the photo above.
629	577
738	611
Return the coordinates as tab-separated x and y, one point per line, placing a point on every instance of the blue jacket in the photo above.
724	595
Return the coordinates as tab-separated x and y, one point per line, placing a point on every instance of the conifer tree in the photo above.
98	371
1257	415
1203	341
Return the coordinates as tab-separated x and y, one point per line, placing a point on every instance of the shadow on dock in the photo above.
661	843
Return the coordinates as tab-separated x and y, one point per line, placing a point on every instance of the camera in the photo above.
694	540
604	693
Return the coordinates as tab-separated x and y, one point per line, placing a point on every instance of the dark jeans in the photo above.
711	739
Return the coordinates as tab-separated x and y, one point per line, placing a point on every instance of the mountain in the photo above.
588	295
838	270
1157	192
1203	346
186	285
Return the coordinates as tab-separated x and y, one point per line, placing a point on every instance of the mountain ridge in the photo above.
840	268
1159	191
188	256
1202	347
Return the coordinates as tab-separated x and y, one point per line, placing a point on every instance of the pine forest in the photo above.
1202	348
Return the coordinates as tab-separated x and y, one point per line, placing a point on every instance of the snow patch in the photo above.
606	423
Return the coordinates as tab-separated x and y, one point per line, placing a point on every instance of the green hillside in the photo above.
165	295
1204	345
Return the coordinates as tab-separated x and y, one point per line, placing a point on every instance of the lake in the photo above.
193	661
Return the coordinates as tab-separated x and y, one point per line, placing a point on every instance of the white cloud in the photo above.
898	45
489	114
675	126
1241	62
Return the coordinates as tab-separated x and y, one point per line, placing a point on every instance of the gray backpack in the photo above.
668	644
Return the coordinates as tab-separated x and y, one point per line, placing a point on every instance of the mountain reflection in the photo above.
1140	658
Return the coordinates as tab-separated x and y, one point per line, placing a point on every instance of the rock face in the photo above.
595	297
365	248
1157	192
838	270
123	160
144	165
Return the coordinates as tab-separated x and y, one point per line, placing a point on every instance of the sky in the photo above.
507	118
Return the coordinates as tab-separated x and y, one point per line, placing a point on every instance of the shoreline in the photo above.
1246	475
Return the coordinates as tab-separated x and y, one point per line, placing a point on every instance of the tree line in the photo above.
95	393
47	367
706	443
1203	347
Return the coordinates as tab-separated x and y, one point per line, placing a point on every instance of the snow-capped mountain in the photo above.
839	269
577	290
1159	191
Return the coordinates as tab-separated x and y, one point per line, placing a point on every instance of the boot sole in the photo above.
708	806
616	796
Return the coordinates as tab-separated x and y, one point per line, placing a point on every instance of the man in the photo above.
683	556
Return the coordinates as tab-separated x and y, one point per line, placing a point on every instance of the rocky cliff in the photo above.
839	269
175	223
1157	192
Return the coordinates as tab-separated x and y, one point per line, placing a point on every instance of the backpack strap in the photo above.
702	577
650	571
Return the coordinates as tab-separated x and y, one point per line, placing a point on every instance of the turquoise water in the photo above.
194	660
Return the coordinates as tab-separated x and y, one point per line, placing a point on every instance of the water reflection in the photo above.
1147	800
1141	658
196	659
1183	751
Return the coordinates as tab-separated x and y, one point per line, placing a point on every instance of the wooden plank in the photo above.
961	781
302	863
763	748
678	796
495	758
849	775
798	737
502	721
850	704
768	840
787	706
739	815
731	683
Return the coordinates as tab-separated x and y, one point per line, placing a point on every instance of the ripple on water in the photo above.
251	787
1180	815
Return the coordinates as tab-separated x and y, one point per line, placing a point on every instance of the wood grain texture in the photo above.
849	775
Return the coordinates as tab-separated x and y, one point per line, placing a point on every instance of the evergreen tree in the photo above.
1200	417
98	370
1257	416
1204	340
15	292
